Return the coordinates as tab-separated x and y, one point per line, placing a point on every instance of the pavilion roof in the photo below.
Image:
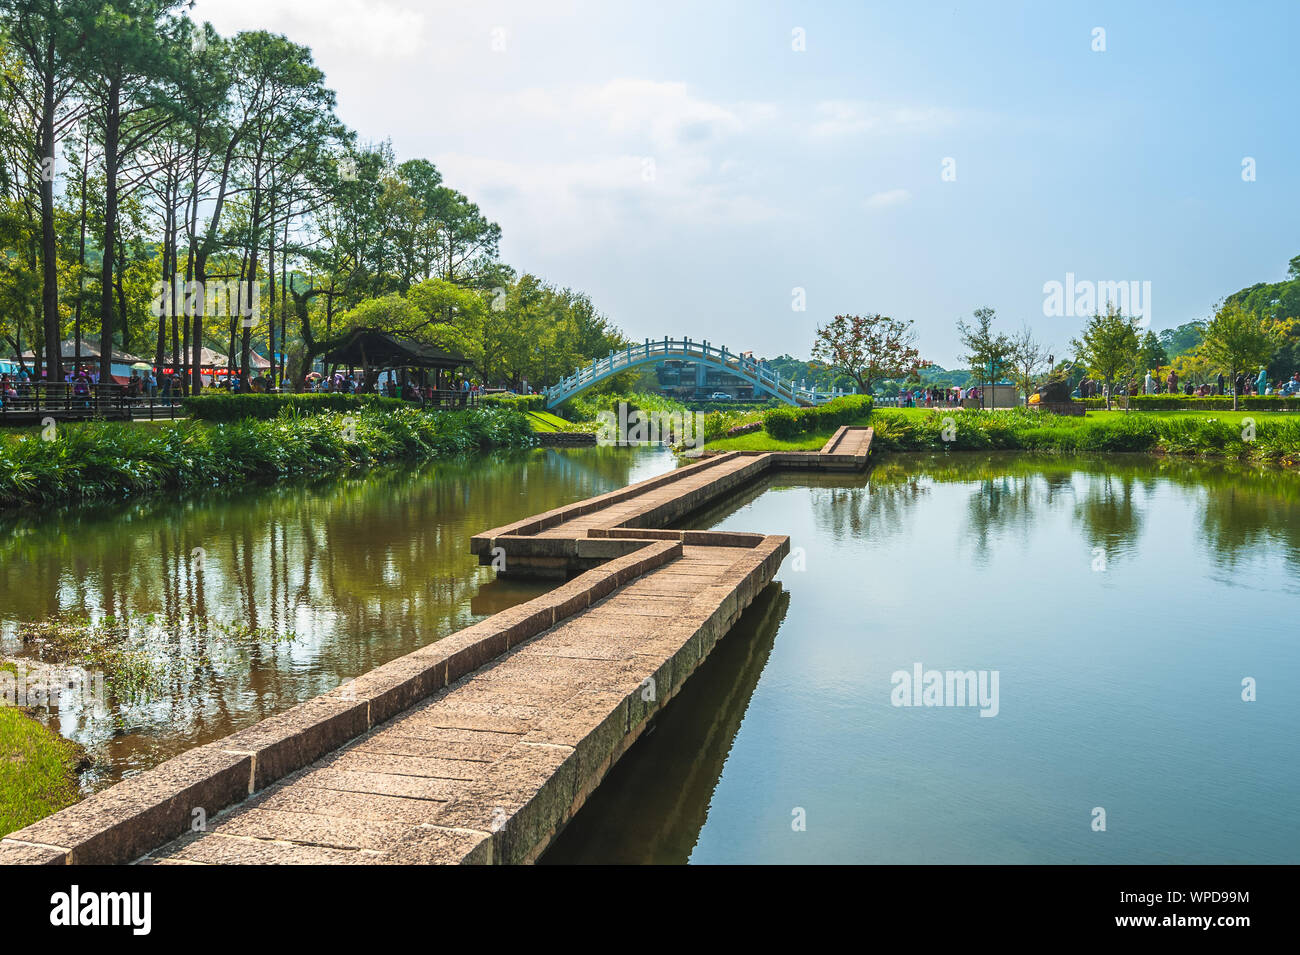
379	349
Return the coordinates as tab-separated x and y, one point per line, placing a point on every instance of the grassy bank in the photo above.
38	771
582	412
1226	434
104	460
1276	438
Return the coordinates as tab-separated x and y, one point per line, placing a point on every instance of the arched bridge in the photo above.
764	380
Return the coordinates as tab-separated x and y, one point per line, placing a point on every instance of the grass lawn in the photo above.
762	441
1233	417
38	771
545	421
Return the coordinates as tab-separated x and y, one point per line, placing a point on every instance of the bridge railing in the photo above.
739	365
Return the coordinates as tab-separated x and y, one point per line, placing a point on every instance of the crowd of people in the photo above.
937	397
1171	385
17	389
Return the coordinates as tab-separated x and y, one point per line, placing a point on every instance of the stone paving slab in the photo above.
470	774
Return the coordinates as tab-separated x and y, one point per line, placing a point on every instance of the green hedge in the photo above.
518	402
1274	439
103	460
786	422
221	407
1194	403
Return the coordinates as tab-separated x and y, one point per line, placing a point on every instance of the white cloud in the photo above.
629	153
890	197
381	29
837	118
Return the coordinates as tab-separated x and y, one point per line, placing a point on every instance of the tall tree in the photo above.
988	354
130	49
1238	341
48	34
1027	359
1109	348
868	348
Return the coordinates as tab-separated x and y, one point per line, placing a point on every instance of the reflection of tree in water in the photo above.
997	506
1107	511
1240	517
876	508
362	569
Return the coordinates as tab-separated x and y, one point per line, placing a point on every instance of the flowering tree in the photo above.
868	348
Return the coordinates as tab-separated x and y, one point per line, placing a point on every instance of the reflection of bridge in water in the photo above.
763	379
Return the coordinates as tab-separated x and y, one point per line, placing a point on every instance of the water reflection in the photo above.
681	759
359	570
1119	688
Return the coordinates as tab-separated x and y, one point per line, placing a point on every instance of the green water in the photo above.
299	587
1121	600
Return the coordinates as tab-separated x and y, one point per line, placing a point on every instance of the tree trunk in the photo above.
112	124
49	251
81	261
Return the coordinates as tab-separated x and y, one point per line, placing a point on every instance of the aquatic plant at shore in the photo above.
1268	439
96	461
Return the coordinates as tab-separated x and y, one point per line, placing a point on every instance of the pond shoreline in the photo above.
99	462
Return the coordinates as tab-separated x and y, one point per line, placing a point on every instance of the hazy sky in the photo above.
689	168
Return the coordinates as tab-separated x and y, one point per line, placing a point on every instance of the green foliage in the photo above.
98	461
1239	341
588	406
1181	340
786	422
989	355
1202	403
1027	430
517	402
1109	348
227	407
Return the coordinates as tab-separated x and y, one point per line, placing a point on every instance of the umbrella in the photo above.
314	375
142	366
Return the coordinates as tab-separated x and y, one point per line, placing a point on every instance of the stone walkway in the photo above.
480	746
434	784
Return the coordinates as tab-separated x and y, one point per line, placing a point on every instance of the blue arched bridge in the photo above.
764	380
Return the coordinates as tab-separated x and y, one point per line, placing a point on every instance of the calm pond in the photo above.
1121	602
357	570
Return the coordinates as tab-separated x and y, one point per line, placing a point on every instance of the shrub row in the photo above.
518	402
1195	403
786	422
222	407
1022	429
103	460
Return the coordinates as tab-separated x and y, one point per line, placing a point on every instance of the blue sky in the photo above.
687	167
